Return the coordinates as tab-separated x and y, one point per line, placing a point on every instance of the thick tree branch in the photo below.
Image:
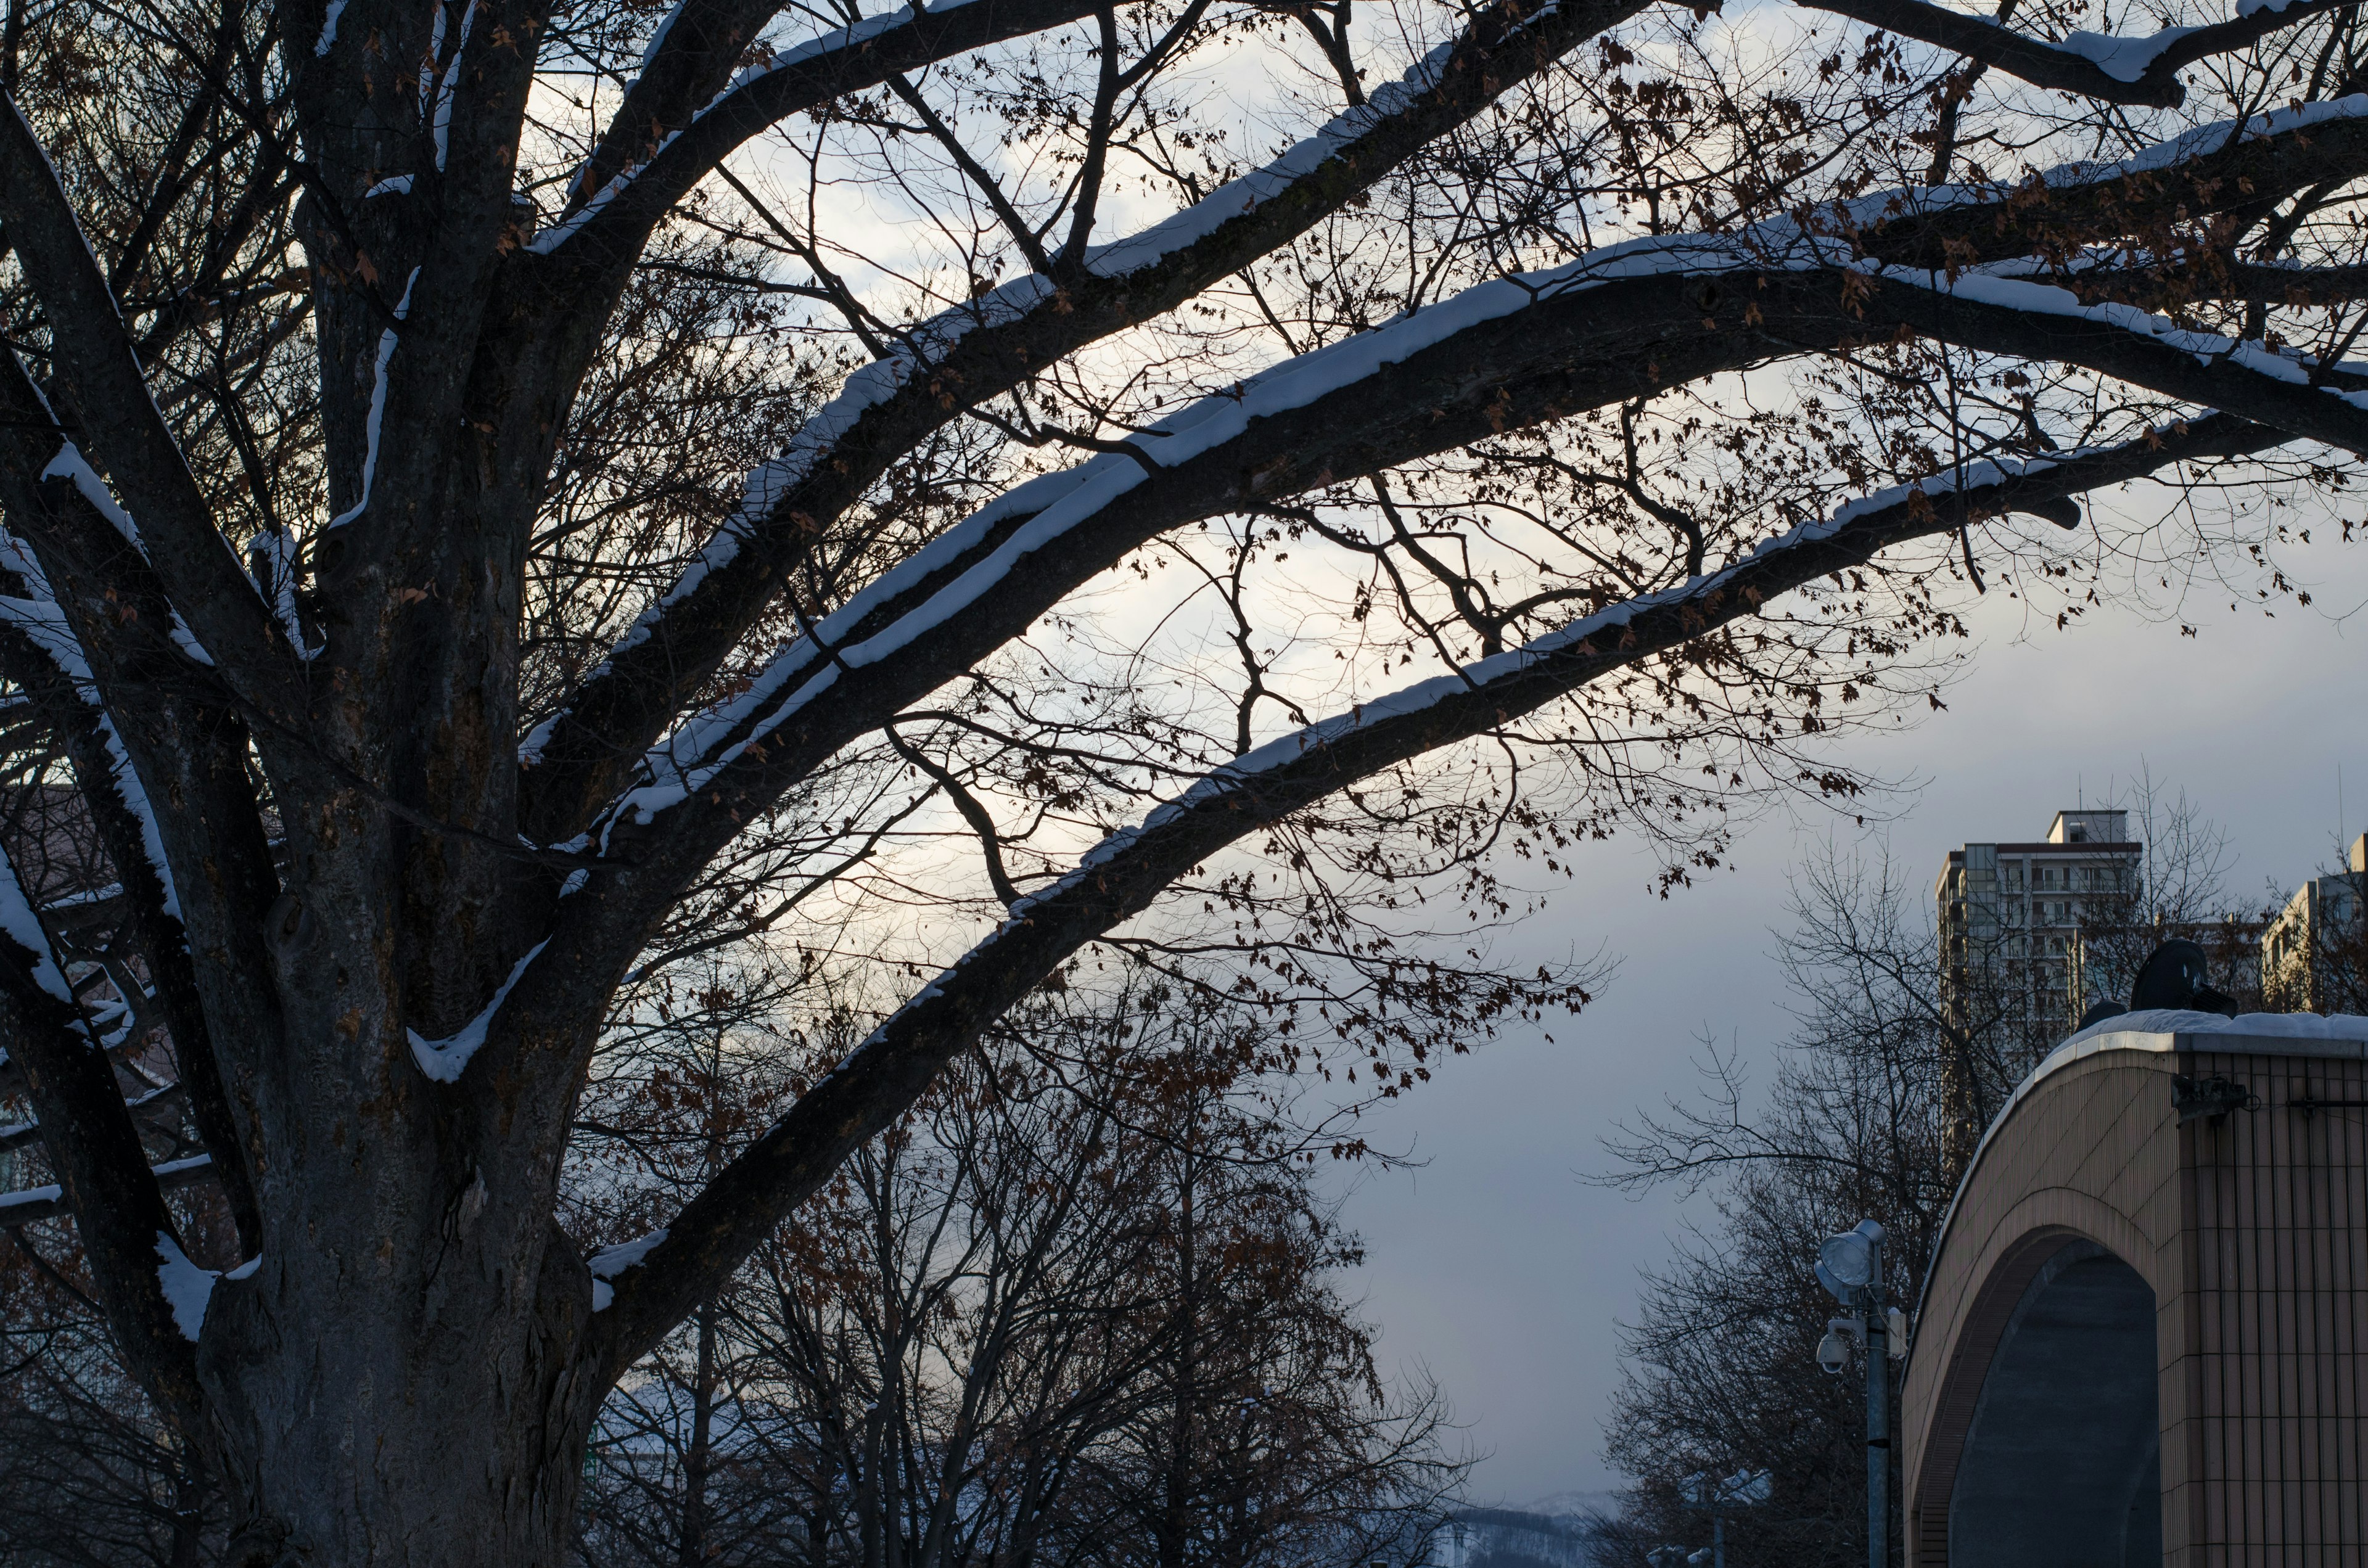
2141	70
90	619
128	827
583	755
1126	873
30	1205
95	1151
981	350
1504	357
93	354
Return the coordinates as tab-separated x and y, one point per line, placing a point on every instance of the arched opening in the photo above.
2061	1461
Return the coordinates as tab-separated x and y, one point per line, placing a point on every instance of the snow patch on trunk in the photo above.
377	415
443	1060
609	1262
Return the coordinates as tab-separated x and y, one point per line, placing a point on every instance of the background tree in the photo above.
1078	1307
1167	551
1721	1368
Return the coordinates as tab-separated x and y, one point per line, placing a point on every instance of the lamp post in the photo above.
1850	1267
1716	1493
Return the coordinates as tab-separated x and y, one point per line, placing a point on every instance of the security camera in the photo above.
1833	1349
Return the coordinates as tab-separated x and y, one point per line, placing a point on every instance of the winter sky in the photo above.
1501	1272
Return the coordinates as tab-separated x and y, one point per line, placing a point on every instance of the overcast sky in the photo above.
1503	1273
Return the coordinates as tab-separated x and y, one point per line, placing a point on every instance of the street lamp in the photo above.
1850	1267
1719	1494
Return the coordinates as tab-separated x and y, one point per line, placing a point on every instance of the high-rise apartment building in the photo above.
2316	940
2010	914
2011	981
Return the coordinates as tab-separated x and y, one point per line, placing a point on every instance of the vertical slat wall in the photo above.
2278	1209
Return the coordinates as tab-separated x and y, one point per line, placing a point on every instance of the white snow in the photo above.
386	343
443	1060
429	62
2123	58
53	1193
127	780
187	1286
45	624
16	918
70	464
2331	1027
609	1262
658	38
1992	286
278	546
394	184
450	80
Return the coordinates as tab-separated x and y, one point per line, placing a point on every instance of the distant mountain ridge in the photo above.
1561	1531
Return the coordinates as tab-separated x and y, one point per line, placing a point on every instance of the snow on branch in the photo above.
2116	68
37	1203
1125	873
976	558
94	359
609	1262
444	1060
1285	195
927	344
47	634
24	928
387	343
188	1289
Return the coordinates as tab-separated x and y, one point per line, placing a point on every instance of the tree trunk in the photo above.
386	1424
690	1545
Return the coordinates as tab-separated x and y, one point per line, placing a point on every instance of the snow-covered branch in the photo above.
33	1204
1123	875
42	654
986	347
2114	68
1649	313
1629	321
99	373
103	1175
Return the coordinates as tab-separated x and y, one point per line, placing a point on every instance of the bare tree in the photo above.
395	571
1858	1121
1078	1307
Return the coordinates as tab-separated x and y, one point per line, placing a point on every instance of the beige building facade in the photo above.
2144	1336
